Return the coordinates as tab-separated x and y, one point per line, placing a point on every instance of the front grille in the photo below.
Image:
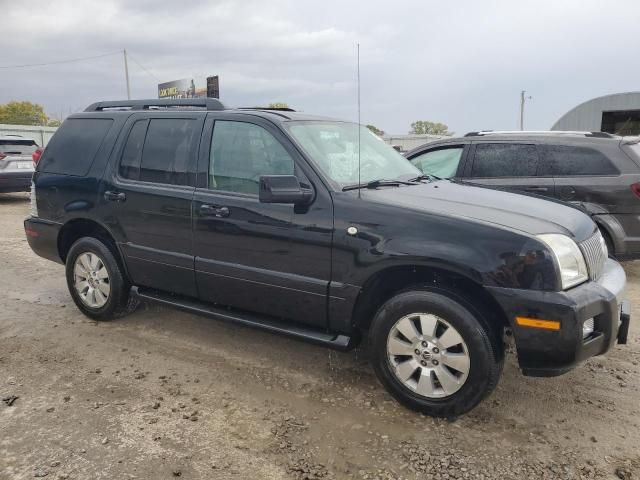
595	254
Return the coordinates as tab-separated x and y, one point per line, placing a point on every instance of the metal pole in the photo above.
126	74
522	109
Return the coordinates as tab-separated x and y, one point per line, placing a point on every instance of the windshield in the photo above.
334	148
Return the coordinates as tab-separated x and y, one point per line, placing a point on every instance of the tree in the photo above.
23	113
278	105
54	122
422	127
375	130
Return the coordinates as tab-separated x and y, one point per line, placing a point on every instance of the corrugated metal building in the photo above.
404	143
617	113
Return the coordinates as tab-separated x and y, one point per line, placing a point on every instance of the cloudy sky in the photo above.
462	63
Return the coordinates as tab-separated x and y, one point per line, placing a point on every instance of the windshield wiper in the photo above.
381	182
425	176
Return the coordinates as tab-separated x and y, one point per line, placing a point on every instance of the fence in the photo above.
41	135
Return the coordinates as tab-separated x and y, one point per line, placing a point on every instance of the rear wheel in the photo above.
96	281
433	354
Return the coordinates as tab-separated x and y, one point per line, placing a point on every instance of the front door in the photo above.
267	258
147	199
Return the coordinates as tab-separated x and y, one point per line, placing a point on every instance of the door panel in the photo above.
267	258
153	219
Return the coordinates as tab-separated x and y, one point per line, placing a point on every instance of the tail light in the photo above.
36	155
2	155
635	188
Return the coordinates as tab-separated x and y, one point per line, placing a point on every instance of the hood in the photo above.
527	213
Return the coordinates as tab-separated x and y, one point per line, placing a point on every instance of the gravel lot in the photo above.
162	394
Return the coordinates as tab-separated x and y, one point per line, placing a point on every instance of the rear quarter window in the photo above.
568	160
73	148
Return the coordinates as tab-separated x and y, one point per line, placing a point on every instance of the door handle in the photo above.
536	189
214	210
115	196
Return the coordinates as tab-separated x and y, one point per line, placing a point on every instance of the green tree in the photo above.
23	113
375	130
54	122
278	105
430	128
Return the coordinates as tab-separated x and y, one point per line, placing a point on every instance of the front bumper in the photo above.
15	181
553	352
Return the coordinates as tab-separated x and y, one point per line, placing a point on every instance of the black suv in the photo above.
316	229
597	172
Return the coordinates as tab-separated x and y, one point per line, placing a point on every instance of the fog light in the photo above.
587	328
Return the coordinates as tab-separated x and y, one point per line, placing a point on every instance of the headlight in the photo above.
573	269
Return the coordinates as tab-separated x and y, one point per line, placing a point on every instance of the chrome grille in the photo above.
595	254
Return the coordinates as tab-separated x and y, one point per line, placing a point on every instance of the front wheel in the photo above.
433	354
96	280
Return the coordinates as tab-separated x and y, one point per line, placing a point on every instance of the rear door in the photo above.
508	165
584	174
147	198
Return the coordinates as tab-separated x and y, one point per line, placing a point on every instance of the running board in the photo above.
337	342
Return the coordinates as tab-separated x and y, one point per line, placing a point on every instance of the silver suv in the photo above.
16	163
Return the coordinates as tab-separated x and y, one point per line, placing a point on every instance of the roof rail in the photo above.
275	109
482	133
206	103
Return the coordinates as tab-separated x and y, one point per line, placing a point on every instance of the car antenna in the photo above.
358	70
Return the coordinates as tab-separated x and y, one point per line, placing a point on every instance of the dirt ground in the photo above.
163	394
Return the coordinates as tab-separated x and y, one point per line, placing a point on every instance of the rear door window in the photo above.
18	147
442	163
73	148
161	150
567	160
495	160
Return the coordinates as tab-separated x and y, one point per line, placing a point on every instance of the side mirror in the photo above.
283	189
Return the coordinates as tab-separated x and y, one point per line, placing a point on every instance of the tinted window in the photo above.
571	160
18	147
442	163
167	150
241	153
73	148
504	160
130	161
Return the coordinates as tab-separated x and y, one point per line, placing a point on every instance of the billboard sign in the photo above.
186	88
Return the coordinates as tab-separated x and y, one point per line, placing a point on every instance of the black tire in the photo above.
119	302
484	347
608	242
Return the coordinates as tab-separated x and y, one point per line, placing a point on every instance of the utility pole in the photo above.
522	100
126	73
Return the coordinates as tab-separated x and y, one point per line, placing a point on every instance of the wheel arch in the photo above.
455	282
77	228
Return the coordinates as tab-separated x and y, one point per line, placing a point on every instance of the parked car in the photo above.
269	219
16	163
597	172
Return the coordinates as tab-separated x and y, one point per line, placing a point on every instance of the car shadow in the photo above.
10	198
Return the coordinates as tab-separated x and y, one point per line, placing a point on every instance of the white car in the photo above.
17	156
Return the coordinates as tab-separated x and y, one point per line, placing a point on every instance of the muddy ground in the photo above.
162	394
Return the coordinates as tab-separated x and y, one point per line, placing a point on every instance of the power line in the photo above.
27	65
142	66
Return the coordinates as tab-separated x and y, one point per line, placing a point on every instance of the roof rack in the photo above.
205	103
482	133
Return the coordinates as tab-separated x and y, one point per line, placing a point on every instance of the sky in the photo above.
462	63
